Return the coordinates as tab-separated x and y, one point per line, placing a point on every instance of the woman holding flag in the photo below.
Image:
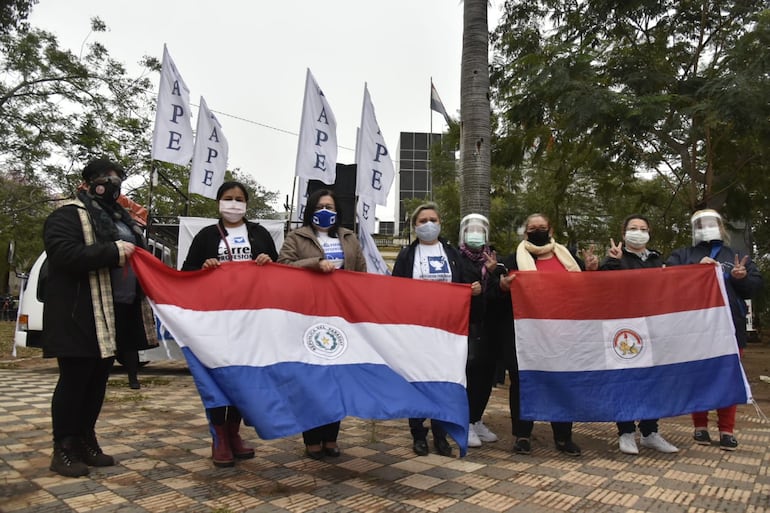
485	337
429	257
540	252
322	244
636	255
232	238
742	280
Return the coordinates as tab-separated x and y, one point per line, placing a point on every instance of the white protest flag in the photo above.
317	147
374	262
302	195
375	167
172	137
210	157
365	209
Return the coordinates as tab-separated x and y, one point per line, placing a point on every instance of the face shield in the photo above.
706	226
474	231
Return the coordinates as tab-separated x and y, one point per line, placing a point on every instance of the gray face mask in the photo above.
428	232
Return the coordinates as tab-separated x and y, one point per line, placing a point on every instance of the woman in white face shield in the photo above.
480	269
742	281
632	253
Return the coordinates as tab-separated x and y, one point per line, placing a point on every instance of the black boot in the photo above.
92	454
66	459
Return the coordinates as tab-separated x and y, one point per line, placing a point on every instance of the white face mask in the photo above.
708	233
637	238
232	211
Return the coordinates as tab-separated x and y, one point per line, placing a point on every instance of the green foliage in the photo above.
170	197
24	203
13	13
59	111
608	108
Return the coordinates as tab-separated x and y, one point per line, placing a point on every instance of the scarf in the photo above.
477	257
104	215
525	261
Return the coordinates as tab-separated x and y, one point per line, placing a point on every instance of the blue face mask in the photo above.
324	218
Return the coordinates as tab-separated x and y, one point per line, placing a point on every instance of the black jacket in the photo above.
737	290
205	244
631	260
69	326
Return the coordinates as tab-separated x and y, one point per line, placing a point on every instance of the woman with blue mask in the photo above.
429	257
322	244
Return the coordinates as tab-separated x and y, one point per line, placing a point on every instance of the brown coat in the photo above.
301	249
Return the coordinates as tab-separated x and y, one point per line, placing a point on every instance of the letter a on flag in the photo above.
210	158
374	165
172	138
317	147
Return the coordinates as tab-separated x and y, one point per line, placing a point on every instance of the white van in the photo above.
29	321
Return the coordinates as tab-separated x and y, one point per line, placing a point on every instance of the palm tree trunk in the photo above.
475	159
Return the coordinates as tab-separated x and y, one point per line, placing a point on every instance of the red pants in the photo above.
725	416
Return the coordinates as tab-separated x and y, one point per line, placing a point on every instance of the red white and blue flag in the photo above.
295	349
625	345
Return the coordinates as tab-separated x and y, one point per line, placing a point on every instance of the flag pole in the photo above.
430	140
291	205
149	198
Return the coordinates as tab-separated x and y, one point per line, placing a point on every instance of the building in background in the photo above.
413	168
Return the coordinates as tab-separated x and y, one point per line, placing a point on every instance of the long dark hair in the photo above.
312	201
231	185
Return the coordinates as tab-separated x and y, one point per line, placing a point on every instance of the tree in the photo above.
610	89
56	104
58	107
13	13
24	204
475	154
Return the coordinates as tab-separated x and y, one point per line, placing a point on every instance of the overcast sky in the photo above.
248	60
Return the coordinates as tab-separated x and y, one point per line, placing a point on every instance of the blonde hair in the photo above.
428	205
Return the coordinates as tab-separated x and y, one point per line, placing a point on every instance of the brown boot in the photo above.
92	455
66	459
240	449
221	452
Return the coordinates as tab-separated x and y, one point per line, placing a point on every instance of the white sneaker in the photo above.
483	432
657	442
627	443
473	438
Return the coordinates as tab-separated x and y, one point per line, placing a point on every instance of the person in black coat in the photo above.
429	257
93	308
232	238
539	252
480	268
636	255
742	281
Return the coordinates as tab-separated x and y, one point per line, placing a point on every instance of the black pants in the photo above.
79	394
420	432
645	427
130	361
320	434
223	414
480	378
562	431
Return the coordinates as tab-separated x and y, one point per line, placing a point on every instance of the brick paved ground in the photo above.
160	437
